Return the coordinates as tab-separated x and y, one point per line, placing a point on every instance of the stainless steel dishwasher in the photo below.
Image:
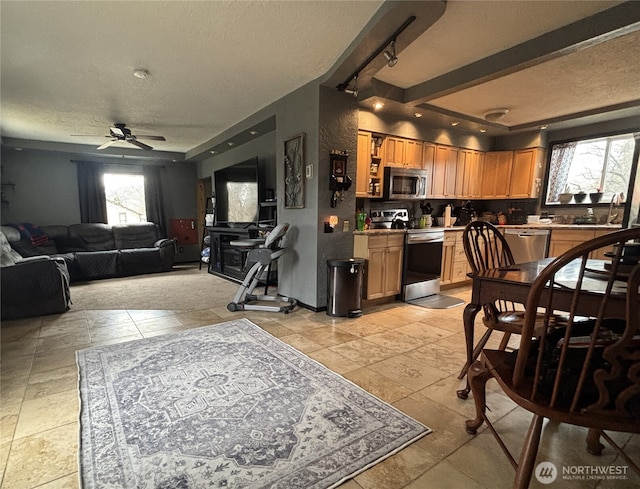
528	244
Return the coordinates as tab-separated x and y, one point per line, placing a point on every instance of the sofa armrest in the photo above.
164	242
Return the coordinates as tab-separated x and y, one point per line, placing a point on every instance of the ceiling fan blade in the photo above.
107	144
139	144
153	138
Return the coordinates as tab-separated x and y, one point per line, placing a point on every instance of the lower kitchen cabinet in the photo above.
383	271
454	261
562	240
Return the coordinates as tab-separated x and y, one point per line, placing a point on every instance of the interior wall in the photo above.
46	187
416	129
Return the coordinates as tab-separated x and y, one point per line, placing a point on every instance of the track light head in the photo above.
351	91
390	55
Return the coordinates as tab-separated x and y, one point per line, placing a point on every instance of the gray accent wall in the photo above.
46	186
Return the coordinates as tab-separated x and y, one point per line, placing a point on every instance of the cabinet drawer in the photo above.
395	240
378	241
459	254
450	238
572	235
459	272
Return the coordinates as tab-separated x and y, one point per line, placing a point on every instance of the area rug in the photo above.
227	406
437	301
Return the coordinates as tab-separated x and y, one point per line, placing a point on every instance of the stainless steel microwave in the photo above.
405	183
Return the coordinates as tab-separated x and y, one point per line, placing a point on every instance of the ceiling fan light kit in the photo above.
495	115
119	132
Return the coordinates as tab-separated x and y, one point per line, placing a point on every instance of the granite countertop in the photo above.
586	227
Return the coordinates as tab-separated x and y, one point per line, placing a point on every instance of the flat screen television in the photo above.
237	194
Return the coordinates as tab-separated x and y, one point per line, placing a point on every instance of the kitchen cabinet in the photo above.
363	161
470	166
369	169
403	153
383	271
523	172
445	172
496	174
454	261
562	240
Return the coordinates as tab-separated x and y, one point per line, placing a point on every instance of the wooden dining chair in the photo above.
486	248
587	374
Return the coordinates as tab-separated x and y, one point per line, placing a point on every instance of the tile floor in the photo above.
407	355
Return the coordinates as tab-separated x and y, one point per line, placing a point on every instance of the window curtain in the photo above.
561	157
93	201
153	197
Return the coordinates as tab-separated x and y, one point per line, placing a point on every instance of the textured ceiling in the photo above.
67	66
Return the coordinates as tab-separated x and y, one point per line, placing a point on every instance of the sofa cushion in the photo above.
26	248
97	264
142	260
92	236
138	235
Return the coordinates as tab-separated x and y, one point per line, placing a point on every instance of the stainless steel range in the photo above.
422	263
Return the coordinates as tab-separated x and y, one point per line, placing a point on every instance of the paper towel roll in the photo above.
447	217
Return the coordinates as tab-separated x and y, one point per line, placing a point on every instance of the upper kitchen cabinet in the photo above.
363	163
470	165
445	172
369	167
496	174
525	174
404	153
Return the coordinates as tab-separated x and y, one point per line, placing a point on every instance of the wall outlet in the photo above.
345	226
309	172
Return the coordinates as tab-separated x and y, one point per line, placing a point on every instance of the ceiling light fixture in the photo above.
390	55
454	123
231	143
495	115
392	38
141	73
353	91
483	130
417	115
544	127
254	133
378	105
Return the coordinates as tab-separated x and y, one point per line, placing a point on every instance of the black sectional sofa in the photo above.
78	252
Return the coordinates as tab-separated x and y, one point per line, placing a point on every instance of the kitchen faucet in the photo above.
616	199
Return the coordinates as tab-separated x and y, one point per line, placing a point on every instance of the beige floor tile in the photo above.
18	348
18	366
63	327
70	481
406	371
361	327
49	382
45	413
362	351
329	336
43	457
142	314
378	385
445	476
440	357
394	341
12	391
276	329
334	361
77	339
301	343
53	359
113	331
162	322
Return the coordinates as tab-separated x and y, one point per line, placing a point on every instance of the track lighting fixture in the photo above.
390	55
353	91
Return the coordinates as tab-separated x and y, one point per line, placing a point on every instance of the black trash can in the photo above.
344	287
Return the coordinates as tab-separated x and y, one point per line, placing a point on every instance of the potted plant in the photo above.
566	196
580	196
596	196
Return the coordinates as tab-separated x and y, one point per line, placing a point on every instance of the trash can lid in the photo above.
345	262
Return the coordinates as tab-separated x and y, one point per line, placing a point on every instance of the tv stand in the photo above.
229	261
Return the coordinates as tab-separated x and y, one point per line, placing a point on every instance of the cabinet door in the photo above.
413	153
522	171
562	240
363	163
428	156
464	173
393	270
375	273
439	172
496	175
477	170
451	175
394	151
448	256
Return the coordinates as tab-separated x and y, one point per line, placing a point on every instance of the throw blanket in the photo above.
31	232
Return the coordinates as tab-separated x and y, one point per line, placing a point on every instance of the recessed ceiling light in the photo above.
417	114
141	73
483	130
544	127
254	133
454	123
231	143
378	105
17	149
213	152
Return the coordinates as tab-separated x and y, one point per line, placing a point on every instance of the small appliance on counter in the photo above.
465	214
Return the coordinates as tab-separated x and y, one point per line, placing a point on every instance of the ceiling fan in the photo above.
119	132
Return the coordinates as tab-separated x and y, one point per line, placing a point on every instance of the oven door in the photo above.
422	264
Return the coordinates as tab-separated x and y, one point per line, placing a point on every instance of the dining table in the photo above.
513	283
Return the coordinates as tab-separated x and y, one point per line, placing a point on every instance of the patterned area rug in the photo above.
226	406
